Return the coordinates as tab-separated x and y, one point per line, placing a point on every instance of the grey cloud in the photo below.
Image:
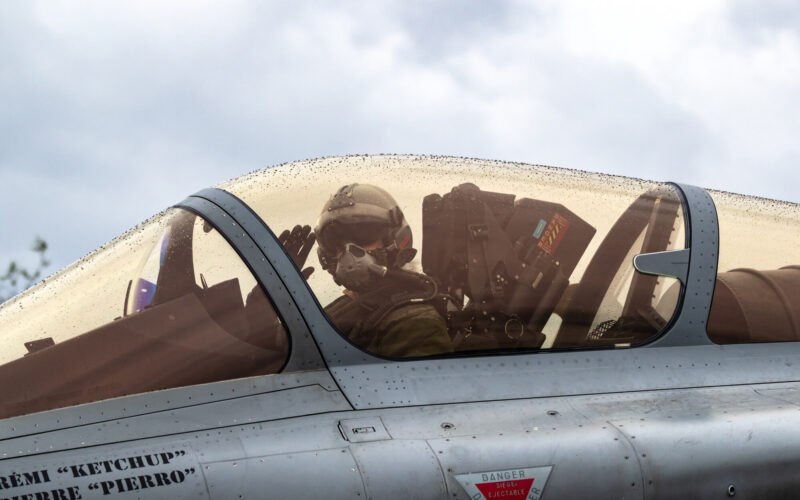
758	19
588	114
440	28
616	121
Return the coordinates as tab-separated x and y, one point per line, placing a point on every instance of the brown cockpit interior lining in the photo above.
756	306
169	345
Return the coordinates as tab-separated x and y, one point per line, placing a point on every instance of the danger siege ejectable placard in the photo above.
510	484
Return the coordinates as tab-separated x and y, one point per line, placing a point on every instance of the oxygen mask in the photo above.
357	269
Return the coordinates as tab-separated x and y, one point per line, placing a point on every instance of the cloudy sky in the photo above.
112	111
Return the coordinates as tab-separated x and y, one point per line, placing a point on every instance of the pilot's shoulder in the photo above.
338	304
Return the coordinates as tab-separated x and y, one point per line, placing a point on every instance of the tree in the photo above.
18	278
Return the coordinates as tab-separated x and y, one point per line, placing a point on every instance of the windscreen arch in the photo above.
430	256
169	304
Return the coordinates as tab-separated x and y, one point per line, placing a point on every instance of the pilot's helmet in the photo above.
359	216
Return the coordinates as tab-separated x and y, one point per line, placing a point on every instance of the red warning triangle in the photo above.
517	489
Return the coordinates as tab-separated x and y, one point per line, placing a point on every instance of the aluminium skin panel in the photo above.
156	445
659	444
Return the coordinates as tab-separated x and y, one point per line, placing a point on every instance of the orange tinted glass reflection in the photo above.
187	311
422	256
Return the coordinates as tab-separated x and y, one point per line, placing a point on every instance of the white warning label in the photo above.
510	484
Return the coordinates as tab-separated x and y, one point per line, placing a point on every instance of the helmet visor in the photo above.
336	235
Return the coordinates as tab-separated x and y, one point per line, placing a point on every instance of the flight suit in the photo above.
408	329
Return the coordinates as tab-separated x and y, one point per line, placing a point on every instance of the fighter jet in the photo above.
415	327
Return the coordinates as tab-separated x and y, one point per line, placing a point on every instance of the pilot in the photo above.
363	242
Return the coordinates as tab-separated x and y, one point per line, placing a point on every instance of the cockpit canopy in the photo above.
421	257
503	251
